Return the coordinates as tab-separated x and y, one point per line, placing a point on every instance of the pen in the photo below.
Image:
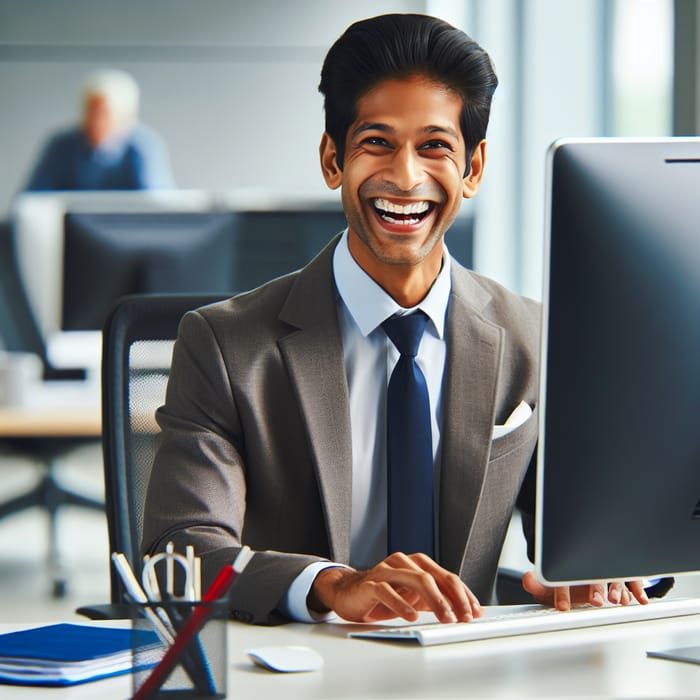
194	623
137	594
162	625
191	590
169	570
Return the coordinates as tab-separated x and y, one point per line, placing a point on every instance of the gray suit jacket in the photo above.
255	444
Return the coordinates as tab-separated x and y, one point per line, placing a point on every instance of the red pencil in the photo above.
194	623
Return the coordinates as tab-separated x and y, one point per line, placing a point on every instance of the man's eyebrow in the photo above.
441	130
371	126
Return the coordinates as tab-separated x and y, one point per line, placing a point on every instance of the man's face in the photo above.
404	174
98	120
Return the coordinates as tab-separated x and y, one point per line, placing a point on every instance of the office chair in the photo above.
136	350
19	332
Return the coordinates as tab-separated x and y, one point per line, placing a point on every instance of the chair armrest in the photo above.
105	611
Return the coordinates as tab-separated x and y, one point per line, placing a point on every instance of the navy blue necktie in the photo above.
409	442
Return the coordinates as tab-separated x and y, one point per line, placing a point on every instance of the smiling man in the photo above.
373	479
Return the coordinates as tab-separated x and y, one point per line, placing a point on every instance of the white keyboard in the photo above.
530	620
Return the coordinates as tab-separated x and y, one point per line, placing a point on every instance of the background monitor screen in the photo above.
619	450
273	242
107	256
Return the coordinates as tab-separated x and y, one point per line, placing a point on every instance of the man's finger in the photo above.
537	590
465	605
443	592
596	594
636	588
618	593
388	597
562	598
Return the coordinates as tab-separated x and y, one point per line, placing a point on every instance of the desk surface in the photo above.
606	662
55	409
29	422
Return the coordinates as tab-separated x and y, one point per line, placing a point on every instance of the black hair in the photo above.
399	46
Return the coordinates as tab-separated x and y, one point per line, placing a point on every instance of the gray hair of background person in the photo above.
121	92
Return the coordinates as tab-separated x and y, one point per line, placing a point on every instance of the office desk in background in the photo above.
44	429
54	423
608	662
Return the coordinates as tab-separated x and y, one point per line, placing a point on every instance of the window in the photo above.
641	84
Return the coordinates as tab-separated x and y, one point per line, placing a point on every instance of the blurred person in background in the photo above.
110	149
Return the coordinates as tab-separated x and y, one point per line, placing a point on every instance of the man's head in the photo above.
110	105
400	46
407	104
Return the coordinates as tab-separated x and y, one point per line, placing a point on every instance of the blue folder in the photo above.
66	654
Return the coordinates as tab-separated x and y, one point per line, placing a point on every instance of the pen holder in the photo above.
200	666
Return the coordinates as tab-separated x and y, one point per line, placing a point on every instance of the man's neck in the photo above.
406	284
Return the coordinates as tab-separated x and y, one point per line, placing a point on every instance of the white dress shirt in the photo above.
370	358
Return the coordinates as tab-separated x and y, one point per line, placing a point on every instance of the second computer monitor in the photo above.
107	256
619	450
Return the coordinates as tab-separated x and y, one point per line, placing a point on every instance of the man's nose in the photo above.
406	170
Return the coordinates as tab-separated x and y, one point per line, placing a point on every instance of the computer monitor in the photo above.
38	219
109	255
619	446
274	241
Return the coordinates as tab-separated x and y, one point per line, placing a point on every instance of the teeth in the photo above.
391	207
392	220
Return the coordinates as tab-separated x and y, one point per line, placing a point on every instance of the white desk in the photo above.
606	662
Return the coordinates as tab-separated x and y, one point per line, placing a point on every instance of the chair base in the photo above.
50	495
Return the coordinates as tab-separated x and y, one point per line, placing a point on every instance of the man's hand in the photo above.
399	586
562	597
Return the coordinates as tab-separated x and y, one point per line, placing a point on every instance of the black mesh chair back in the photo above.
137	347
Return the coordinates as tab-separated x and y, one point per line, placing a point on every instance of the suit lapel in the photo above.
469	393
313	350
314	356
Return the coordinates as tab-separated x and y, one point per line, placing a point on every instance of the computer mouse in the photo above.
286	659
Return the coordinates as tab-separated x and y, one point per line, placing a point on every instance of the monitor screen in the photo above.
107	256
273	242
619	448
38	218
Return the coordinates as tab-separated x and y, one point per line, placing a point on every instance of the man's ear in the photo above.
332	173
476	170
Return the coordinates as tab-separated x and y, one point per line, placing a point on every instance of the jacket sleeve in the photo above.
197	489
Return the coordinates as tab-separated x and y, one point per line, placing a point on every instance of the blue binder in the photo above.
67	654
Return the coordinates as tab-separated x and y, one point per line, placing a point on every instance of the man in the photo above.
109	150
276	421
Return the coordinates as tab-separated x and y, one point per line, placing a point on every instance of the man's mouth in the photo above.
408	214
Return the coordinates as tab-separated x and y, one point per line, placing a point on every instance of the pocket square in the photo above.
521	413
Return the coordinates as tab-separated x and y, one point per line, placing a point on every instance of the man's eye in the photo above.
375	141
433	145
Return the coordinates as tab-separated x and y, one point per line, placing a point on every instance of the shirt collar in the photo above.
369	305
110	149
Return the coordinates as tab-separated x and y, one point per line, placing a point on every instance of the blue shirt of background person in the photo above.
110	149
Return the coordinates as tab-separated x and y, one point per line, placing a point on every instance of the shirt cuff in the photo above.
658	587
294	602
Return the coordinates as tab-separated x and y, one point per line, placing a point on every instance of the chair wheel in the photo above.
59	588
